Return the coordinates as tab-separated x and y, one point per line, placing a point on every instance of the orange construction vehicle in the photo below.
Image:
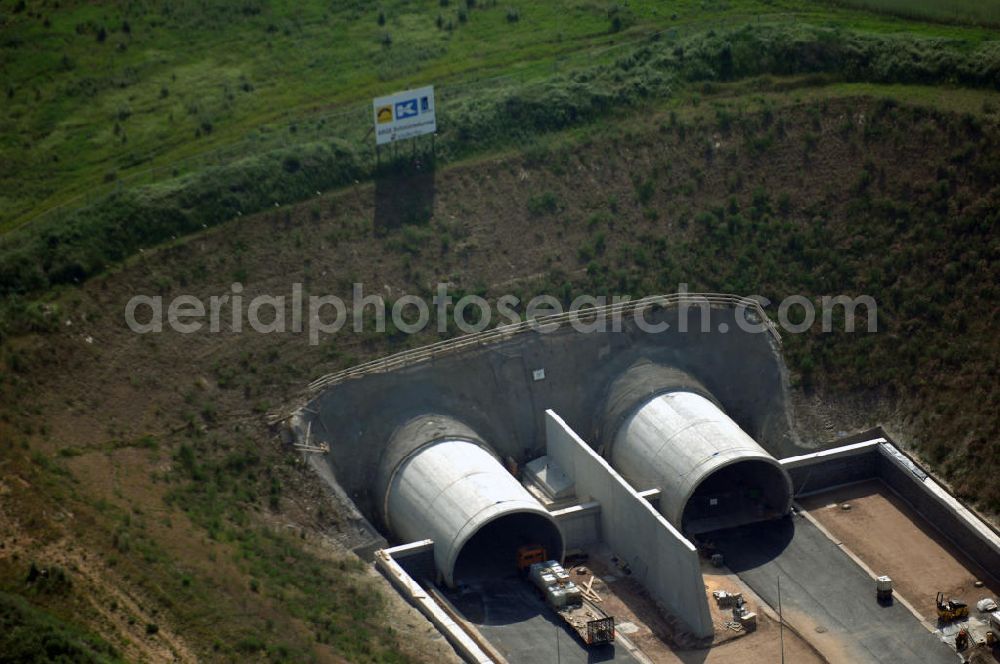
529	555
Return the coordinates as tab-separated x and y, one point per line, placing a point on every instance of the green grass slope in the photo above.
28	634
976	12
113	111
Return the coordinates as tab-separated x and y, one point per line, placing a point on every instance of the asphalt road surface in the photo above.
826	596
513	617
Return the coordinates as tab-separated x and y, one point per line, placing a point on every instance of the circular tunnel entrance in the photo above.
440	481
711	474
491	552
742	492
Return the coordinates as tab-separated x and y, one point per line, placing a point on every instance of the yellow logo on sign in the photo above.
384	114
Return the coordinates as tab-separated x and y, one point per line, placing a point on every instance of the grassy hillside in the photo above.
31	635
104	96
770	147
70	247
97	93
976	12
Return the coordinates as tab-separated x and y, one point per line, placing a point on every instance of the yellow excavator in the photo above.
951	610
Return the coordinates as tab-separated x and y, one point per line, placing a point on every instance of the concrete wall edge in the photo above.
833	453
463	644
966	517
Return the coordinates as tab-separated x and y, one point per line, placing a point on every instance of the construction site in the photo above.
544	494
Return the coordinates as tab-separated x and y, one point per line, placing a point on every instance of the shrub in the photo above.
784	203
545	203
29	634
644	191
50	581
411	239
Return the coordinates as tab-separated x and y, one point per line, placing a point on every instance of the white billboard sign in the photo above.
405	115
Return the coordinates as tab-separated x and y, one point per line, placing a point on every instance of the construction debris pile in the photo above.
743	617
591	624
555	584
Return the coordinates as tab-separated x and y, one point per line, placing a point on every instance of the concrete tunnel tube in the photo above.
711	474
438	480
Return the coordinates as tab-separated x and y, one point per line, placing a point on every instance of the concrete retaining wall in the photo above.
417	559
819	471
494	390
956	522
463	643
661	559
879	458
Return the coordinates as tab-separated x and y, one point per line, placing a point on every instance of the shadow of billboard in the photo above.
404	192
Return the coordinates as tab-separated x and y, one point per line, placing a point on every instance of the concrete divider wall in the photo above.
945	512
660	558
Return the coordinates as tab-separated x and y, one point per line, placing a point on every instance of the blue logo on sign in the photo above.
406	109
425	104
